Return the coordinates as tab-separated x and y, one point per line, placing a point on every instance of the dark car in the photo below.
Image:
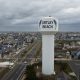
75	54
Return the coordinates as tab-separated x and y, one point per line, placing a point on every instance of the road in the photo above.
75	66
16	72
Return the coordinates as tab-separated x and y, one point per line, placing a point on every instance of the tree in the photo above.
31	74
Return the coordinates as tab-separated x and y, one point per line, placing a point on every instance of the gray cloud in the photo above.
25	14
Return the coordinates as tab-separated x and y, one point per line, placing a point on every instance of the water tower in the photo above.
48	26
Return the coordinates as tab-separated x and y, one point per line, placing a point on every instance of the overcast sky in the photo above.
24	15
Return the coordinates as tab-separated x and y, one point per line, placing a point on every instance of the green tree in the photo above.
31	74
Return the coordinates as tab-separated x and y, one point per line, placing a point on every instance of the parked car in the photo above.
73	54
76	55
59	56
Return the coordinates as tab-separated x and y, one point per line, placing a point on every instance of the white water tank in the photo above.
48	27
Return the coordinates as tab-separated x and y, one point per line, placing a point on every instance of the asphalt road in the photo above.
75	66
17	71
